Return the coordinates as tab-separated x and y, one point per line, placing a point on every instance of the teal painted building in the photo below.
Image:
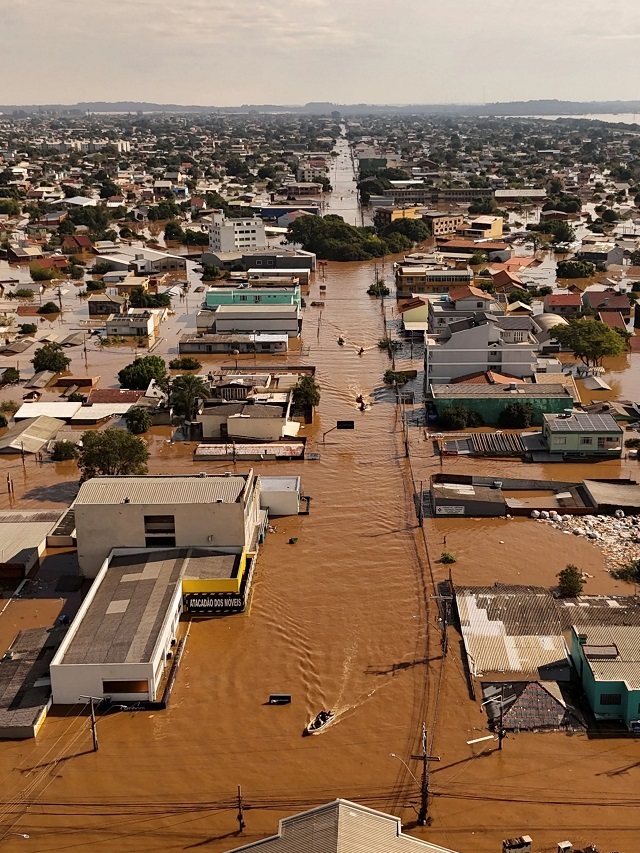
253	296
490	400
607	660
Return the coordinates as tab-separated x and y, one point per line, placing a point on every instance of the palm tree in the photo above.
186	390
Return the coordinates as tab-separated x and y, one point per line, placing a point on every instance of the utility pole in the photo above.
94	730
240	816
424	784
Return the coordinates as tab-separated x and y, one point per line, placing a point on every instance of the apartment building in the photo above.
416	279
236	235
480	343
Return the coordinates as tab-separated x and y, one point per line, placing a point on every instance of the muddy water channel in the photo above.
344	619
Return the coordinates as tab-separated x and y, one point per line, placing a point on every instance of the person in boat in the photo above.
341	341
360	351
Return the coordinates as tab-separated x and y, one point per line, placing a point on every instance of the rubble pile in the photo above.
618	536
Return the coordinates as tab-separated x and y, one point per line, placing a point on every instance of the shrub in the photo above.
570	581
64	450
306	392
9	406
632	443
516	415
628	574
447	558
459	417
10	376
3	422
395	377
27	328
138	420
185	363
49	308
95	285
22	293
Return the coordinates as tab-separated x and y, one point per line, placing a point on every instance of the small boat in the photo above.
316	725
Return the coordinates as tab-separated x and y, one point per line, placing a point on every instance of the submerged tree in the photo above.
113	452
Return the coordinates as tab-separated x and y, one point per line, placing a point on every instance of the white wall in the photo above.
102	527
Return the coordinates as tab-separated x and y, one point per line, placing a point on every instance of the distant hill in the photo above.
513	108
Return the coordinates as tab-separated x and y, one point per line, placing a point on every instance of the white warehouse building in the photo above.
209	511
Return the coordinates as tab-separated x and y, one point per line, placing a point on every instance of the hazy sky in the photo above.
229	52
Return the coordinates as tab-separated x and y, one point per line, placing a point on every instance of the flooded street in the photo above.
343	619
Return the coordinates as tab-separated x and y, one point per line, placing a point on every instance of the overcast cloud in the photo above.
228	52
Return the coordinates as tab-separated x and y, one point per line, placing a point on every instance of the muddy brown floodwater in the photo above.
342	619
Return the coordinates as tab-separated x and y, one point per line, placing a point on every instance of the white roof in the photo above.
161	490
64	411
98	411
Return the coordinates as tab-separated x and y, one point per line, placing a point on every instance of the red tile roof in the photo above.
114	395
607	299
465	291
613	319
564	299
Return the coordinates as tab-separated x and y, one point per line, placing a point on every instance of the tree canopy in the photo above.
140	372
50	357
306	392
331	238
570	581
112	452
186	390
138	420
140	298
575	269
590	340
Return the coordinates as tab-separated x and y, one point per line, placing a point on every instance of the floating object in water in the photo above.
293	540
279	698
316	725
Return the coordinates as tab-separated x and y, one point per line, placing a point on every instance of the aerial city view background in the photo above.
319	427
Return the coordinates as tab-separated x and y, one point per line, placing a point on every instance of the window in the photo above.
586	440
559	439
159	524
610	699
111	687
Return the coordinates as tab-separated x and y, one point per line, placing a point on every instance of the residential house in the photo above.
248	420
76	244
583	435
140	323
612	319
341	827
544	324
417	279
479	343
458	304
601	252
607	660
104	305
607	300
564	304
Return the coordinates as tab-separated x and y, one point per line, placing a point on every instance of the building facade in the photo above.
580	434
478	344
415	279
234	235
607	660
165	512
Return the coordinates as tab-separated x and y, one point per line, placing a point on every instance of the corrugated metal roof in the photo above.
51	410
41	379
161	490
30	435
510	629
626	665
18	540
99	411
